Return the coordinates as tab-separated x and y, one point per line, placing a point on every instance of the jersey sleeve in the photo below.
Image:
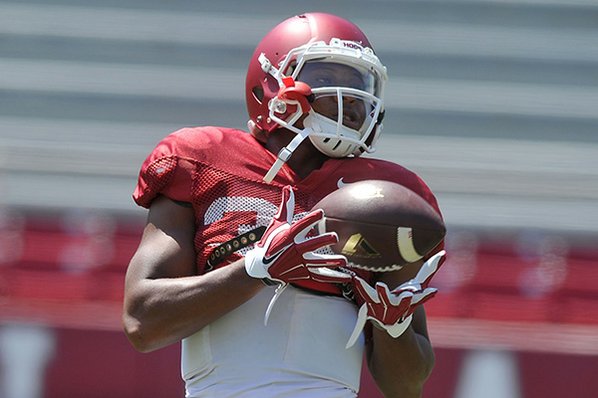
166	171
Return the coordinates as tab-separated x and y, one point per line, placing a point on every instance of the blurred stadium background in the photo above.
493	102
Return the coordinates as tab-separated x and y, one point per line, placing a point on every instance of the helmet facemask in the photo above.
347	130
347	88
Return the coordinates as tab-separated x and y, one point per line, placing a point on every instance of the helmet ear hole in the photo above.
258	93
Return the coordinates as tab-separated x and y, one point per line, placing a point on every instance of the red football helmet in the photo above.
307	75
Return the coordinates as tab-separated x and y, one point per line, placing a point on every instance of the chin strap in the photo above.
292	93
285	154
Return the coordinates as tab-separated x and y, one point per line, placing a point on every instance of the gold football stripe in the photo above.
357	246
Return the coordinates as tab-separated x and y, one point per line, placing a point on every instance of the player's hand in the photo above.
393	310
284	253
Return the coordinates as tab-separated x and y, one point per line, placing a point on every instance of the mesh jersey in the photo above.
219	172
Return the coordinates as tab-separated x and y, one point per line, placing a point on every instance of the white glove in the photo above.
284	254
393	310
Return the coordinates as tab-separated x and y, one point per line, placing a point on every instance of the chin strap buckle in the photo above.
285	154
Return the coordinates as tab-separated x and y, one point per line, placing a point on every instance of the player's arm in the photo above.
401	365
165	300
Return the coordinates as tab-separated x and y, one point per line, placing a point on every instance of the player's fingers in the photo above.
422	297
398	310
429	268
365	291
313	259
392	299
303	226
404	305
317	242
278	239
327	275
295	272
287	205
383	291
411	285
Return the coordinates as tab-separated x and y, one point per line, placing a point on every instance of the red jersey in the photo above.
219	172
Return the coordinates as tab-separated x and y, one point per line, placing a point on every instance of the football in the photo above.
382	226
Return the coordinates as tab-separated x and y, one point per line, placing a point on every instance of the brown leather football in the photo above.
381	225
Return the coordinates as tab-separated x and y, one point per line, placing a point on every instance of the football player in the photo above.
230	231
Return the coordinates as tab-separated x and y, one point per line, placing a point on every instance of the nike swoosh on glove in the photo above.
393	310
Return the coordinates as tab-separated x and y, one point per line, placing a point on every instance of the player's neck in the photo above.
304	165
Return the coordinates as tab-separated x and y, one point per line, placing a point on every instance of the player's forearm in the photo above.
159	312
400	365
